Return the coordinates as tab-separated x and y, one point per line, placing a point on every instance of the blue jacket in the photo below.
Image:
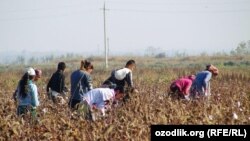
31	98
81	83
202	81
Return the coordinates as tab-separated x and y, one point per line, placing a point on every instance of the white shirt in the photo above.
121	73
98	96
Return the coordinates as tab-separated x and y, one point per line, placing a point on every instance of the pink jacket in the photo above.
184	84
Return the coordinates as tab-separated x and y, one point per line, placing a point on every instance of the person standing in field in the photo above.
81	83
201	84
27	95
99	100
38	75
181	87
56	85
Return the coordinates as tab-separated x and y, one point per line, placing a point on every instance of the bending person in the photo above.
123	76
201	84
100	99
181	87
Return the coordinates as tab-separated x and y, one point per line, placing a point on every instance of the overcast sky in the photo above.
193	26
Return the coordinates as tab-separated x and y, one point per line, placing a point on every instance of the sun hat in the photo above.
31	71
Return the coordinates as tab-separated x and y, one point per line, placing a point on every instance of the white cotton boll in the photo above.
235	116
187	97
103	111
115	104
63	101
45	110
160	97
238	104
210	117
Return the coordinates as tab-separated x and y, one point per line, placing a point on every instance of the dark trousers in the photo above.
73	103
23	110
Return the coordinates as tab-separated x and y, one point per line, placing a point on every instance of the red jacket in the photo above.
184	84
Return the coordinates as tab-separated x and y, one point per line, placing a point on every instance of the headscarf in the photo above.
212	69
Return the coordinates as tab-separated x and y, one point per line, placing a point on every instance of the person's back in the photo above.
29	99
27	95
100	99
201	85
17	90
122	76
181	87
184	85
202	79
81	83
98	96
56	81
56	85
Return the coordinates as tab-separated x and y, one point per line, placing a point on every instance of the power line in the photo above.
126	10
177	3
53	16
41	9
181	11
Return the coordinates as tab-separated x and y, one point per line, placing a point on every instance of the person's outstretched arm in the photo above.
89	82
34	96
50	83
129	79
206	81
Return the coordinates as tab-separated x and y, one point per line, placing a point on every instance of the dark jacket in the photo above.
56	82
81	83
127	78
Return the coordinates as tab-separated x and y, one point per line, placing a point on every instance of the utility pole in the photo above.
105	44
108	45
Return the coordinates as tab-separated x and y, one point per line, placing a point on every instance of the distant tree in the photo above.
203	54
70	55
220	54
156	52
32	60
160	55
242	49
20	60
50	58
150	51
180	54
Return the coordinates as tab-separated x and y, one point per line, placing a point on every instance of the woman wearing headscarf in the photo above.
27	95
38	75
201	84
181	87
